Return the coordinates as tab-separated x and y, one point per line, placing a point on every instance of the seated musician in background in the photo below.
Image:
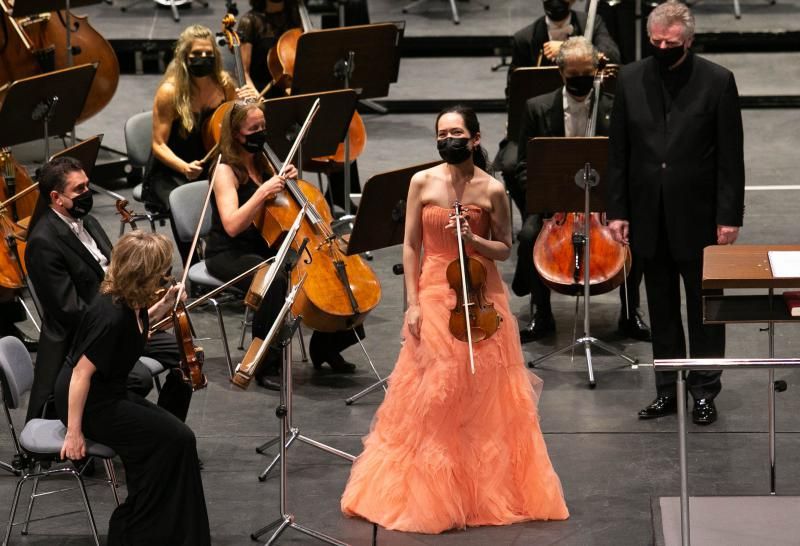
67	256
165	503
193	86
565	112
259	30
246	182
537	45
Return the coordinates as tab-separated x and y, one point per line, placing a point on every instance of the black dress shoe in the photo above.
661	406
267	383
540	327
704	411
634	327
337	363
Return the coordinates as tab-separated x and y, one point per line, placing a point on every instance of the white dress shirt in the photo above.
76	227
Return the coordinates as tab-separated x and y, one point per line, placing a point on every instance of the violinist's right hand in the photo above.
192	170
271	187
74	447
619	231
414	319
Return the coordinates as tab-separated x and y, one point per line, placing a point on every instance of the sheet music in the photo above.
784	263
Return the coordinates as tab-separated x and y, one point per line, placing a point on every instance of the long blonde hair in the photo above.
178	73
138	263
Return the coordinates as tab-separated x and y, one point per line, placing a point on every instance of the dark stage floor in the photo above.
612	465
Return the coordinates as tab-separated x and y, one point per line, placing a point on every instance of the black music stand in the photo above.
565	171
44	105
85	152
285	116
363	58
380	223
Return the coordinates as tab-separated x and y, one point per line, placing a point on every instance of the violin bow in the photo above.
301	135
462	261
196	236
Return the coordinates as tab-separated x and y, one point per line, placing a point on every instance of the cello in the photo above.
18	198
36	44
281	60
340	290
560	250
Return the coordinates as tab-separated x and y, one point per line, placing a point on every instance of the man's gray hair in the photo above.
577	47
671	13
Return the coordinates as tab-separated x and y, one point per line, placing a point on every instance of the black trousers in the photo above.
165	505
226	265
662	276
527	279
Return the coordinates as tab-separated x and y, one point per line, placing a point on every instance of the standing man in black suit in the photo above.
675	186
565	112
67	256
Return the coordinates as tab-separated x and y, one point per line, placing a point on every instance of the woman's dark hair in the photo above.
479	156
52	176
258	5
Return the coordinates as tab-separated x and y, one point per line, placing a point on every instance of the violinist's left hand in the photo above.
726	235
247	93
551	49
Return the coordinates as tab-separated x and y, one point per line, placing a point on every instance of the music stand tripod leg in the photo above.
283	412
381	381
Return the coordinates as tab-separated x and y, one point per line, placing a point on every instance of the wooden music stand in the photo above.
47	104
363	58
285	116
530	82
380	223
562	172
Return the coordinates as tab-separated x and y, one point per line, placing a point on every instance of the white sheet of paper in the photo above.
784	263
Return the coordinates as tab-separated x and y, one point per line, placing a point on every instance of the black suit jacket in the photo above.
691	164
66	277
529	41
544	117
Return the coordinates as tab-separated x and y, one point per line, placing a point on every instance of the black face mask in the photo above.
200	67
254	142
579	86
81	205
556	10
454	150
668	56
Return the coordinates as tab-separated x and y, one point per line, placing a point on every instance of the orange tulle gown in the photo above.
448	449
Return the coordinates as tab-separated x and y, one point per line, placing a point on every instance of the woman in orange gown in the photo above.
449	449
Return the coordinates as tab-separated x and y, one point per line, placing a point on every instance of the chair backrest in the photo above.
139	137
186	204
16	369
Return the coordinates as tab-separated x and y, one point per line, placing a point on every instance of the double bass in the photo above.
36	44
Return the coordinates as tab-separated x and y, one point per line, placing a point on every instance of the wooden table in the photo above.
747	266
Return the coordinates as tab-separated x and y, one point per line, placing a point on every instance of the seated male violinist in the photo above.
67	256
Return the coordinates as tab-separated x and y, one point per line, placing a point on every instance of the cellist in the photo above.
259	30
565	112
244	183
193	86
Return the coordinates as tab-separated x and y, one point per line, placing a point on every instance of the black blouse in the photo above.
109	336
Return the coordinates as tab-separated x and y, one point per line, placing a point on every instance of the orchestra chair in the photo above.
138	144
453	8
186	203
40	442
